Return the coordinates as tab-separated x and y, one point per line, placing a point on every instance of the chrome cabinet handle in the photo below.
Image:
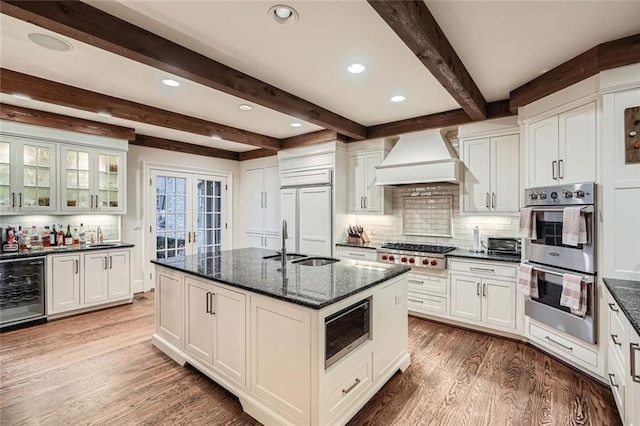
614	338
358	255
91	201
613	384
20	198
213	303
415	300
633	348
569	348
474	269
350	388
477	289
208	303
110	262
195	237
484	288
561	169
612	306
97	204
486	200
554	164
493	200
189	236
362	202
265	199
105	262
365	202
411	280
77	266
13	199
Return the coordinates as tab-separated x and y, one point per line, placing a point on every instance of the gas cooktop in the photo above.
423	248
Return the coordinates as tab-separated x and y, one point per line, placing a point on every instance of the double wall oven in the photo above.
551	259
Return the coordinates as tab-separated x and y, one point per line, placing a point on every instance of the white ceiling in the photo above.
503	44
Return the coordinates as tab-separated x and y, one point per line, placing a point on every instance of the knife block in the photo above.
363	238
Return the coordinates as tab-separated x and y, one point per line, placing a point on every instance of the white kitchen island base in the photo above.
270	353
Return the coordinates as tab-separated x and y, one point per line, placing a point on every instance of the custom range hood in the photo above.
422	157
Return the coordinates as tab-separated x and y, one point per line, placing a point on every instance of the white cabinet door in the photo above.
7	177
96	275
477	176
315	220
36	186
119	274
271	200
373	201
110	170
65	282
77	180
254	200
465	297
199	322
633	407
542	142
230	334
499	303
505	173
289	212
577	145
357	168
169	306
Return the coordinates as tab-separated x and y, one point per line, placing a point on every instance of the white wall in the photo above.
137	194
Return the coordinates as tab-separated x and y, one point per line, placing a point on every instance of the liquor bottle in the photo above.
76	237
82	235
68	238
60	240
46	237
54	236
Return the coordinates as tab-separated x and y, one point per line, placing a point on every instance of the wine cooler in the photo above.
22	286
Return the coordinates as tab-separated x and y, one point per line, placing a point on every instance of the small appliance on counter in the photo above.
510	246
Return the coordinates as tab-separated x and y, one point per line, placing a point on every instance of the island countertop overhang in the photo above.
310	286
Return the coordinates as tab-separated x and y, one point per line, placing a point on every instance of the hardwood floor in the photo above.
100	368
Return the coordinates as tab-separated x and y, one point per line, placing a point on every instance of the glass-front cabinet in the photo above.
92	180
27	176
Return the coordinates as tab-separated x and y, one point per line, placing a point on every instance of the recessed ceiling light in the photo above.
283	14
170	82
245	107
216	137
397	98
21	96
104	114
355	68
296	124
50	42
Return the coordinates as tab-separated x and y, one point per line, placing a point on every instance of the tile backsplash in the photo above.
110	224
427	220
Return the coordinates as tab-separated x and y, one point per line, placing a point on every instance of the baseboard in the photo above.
137	286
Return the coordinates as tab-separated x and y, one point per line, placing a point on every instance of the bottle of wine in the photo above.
54	236
60	236
68	238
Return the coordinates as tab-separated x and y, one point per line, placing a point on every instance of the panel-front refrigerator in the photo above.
307	210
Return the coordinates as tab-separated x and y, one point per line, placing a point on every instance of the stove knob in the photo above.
543	195
425	262
404	259
568	194
533	196
579	193
412	260
554	195
385	257
391	258
434	262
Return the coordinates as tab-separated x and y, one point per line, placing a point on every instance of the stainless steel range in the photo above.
414	255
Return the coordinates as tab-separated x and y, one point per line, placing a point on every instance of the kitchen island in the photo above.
259	331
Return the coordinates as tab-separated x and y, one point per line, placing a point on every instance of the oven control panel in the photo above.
560	195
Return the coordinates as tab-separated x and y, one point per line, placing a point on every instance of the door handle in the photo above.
350	388
195	237
415	300
554	163
362	202
561	169
105	262
365	202
261	199
189	236
110	262
493	200
614	339
265	199
213	303
20	198
91	201
569	348
97	204
612	306
477	289
77	266
208	303
613	384
484	288
13	199
486	200
634	348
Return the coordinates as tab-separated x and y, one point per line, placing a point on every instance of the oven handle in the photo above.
585	278
585	209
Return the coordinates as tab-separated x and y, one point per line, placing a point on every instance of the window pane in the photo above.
171	185
83	160
160	184
30	155
72	160
218	189
43	157
181	186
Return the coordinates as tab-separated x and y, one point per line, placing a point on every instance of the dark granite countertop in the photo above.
311	286
371	246
627	294
483	256
59	250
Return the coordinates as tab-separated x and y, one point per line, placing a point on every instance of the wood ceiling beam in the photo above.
438	120
188	148
311	139
74	97
90	25
256	153
418	29
63	122
613	54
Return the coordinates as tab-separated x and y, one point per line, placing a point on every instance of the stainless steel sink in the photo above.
289	256
316	261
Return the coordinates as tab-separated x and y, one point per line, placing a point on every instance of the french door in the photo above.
189	214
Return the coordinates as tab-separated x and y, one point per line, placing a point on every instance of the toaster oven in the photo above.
504	245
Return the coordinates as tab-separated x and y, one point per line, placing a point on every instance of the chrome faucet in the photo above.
283	251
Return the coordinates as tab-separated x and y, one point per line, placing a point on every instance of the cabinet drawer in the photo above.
345	385
562	346
483	269
427	283
357	253
419	302
616	378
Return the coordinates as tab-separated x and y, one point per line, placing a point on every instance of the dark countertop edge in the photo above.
483	256
611	285
368	246
46	252
283	298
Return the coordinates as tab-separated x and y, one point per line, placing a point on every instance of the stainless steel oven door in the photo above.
547	309
548	249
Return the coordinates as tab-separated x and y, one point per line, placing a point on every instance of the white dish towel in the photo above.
527	281
574	226
528	223
574	294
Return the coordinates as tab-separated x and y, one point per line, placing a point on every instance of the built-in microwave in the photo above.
345	330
